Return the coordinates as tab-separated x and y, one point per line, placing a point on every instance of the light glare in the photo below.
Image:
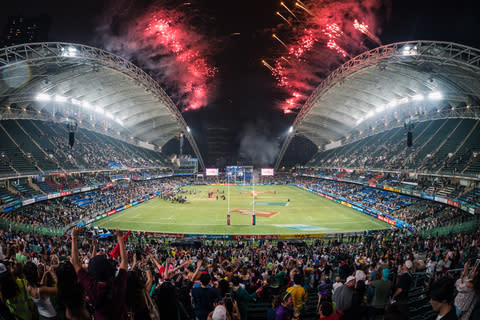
59	98
43	97
435	95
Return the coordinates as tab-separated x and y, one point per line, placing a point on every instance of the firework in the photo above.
279	40
303	45
294	102
301	6
301	3
165	32
324	22
163	42
363	28
289	11
333	45
283	18
266	64
332	31
280	73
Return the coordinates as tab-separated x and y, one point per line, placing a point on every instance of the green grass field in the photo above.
305	213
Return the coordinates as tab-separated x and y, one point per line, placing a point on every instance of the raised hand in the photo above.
76	232
118	233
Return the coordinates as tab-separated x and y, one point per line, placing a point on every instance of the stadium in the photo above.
393	179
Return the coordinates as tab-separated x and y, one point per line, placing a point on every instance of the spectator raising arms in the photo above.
40	293
106	291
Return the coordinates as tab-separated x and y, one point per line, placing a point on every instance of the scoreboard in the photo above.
242	173
211	171
267	172
234	171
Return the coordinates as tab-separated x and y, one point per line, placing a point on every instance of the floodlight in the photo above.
76	102
406	50
87	105
59	98
435	95
188	129
43	97
392	104
403	100
290	130
409	51
69	52
418	97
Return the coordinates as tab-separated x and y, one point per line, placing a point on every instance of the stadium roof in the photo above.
106	92
381	81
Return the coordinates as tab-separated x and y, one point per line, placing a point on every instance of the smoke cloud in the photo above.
257	146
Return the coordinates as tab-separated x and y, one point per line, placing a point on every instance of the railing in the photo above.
50	231
71	171
452	229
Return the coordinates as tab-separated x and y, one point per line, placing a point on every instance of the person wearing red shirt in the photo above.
326	312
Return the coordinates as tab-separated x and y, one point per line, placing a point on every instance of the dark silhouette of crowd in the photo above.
136	276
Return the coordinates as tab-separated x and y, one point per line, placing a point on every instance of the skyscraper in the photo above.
20	29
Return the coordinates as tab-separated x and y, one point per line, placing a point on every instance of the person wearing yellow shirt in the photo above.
298	293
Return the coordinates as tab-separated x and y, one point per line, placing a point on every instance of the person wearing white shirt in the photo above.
336	284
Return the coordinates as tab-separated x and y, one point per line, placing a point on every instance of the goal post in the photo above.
240	176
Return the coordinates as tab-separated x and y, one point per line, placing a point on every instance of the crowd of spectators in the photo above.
390	152
61	212
77	276
420	213
89	151
432	185
65	211
96	155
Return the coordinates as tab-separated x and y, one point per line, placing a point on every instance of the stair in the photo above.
427	143
460	146
13	190
16	154
38	146
441	152
35	187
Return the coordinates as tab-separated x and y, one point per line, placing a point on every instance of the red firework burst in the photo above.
174	38
303	45
324	22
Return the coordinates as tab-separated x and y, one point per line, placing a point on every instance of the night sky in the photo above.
246	97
